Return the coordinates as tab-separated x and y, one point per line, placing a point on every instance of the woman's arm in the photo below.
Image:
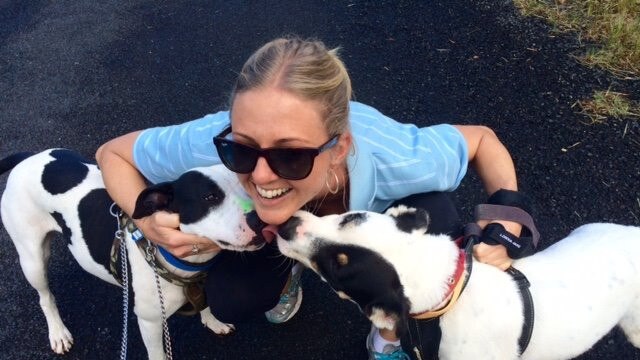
124	183
493	164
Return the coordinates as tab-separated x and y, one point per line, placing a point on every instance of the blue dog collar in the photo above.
184	265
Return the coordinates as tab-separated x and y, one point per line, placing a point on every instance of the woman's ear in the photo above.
342	148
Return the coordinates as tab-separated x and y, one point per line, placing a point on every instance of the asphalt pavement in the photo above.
76	73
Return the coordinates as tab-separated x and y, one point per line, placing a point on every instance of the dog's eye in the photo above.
211	197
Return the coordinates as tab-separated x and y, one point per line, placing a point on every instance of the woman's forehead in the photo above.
276	116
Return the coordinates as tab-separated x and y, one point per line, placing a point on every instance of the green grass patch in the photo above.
612	28
607	104
612	25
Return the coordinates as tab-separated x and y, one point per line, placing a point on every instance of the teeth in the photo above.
273	193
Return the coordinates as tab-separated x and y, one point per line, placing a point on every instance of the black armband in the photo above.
517	247
511	198
509	205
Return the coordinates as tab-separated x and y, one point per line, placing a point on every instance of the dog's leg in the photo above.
630	324
214	324
34	260
152	335
28	228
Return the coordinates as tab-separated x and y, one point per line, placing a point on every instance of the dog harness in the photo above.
458	281
192	286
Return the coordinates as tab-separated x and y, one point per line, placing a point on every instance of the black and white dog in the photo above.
57	191
582	286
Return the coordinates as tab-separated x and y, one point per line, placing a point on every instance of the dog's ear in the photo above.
328	265
409	219
348	269
154	198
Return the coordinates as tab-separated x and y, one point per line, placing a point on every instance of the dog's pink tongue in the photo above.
269	233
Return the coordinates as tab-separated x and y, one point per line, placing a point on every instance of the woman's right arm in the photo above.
121	178
124	183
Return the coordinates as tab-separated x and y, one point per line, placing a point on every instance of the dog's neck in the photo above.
425	268
187	267
170	267
456	284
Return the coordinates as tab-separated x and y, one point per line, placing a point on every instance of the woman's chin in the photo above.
274	216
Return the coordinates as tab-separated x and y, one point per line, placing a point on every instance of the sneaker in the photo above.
389	352
289	301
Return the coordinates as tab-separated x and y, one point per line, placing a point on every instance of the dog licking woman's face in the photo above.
354	272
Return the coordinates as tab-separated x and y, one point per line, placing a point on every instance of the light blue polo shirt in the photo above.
391	160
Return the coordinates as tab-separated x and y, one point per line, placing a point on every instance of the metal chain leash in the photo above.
124	268
150	252
125	294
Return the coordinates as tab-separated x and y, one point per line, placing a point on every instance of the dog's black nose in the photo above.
288	230
254	222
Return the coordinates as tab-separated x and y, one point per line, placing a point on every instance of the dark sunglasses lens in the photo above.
292	164
236	157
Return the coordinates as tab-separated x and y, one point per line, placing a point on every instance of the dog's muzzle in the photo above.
258	226
287	231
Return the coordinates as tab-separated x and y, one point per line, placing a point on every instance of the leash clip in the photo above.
119	234
150	251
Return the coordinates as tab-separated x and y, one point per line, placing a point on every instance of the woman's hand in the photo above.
124	183
496	255
161	228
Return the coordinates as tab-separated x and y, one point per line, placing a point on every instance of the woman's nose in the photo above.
262	173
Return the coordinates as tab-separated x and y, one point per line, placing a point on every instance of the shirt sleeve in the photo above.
164	153
407	159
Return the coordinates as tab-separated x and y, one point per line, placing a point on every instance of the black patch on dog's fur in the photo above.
353	219
193	188
66	232
288	229
367	278
98	225
409	221
63	174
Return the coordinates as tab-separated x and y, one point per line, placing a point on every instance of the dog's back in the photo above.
58	191
593	271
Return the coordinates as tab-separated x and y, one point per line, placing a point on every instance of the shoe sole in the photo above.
297	306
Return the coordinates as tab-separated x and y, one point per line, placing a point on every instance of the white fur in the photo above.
582	286
25	210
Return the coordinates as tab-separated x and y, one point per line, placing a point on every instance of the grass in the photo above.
612	29
605	104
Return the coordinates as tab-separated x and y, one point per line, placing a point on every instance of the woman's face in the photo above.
270	117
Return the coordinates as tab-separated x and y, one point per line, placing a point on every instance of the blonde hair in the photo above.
305	68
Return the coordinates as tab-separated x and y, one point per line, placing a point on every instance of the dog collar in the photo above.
456	283
146	247
184	265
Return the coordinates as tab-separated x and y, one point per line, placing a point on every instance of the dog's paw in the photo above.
214	324
60	340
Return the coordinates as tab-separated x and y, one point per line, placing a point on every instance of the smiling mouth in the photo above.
273	193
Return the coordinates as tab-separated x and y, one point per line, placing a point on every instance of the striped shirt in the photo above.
391	160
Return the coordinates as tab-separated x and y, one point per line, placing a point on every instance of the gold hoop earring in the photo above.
335	176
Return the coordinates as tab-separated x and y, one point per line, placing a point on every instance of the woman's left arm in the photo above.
493	164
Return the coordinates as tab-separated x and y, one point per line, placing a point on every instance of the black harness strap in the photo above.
527	307
511	213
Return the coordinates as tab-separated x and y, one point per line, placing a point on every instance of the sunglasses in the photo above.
287	163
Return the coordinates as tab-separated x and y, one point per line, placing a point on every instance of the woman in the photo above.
296	141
